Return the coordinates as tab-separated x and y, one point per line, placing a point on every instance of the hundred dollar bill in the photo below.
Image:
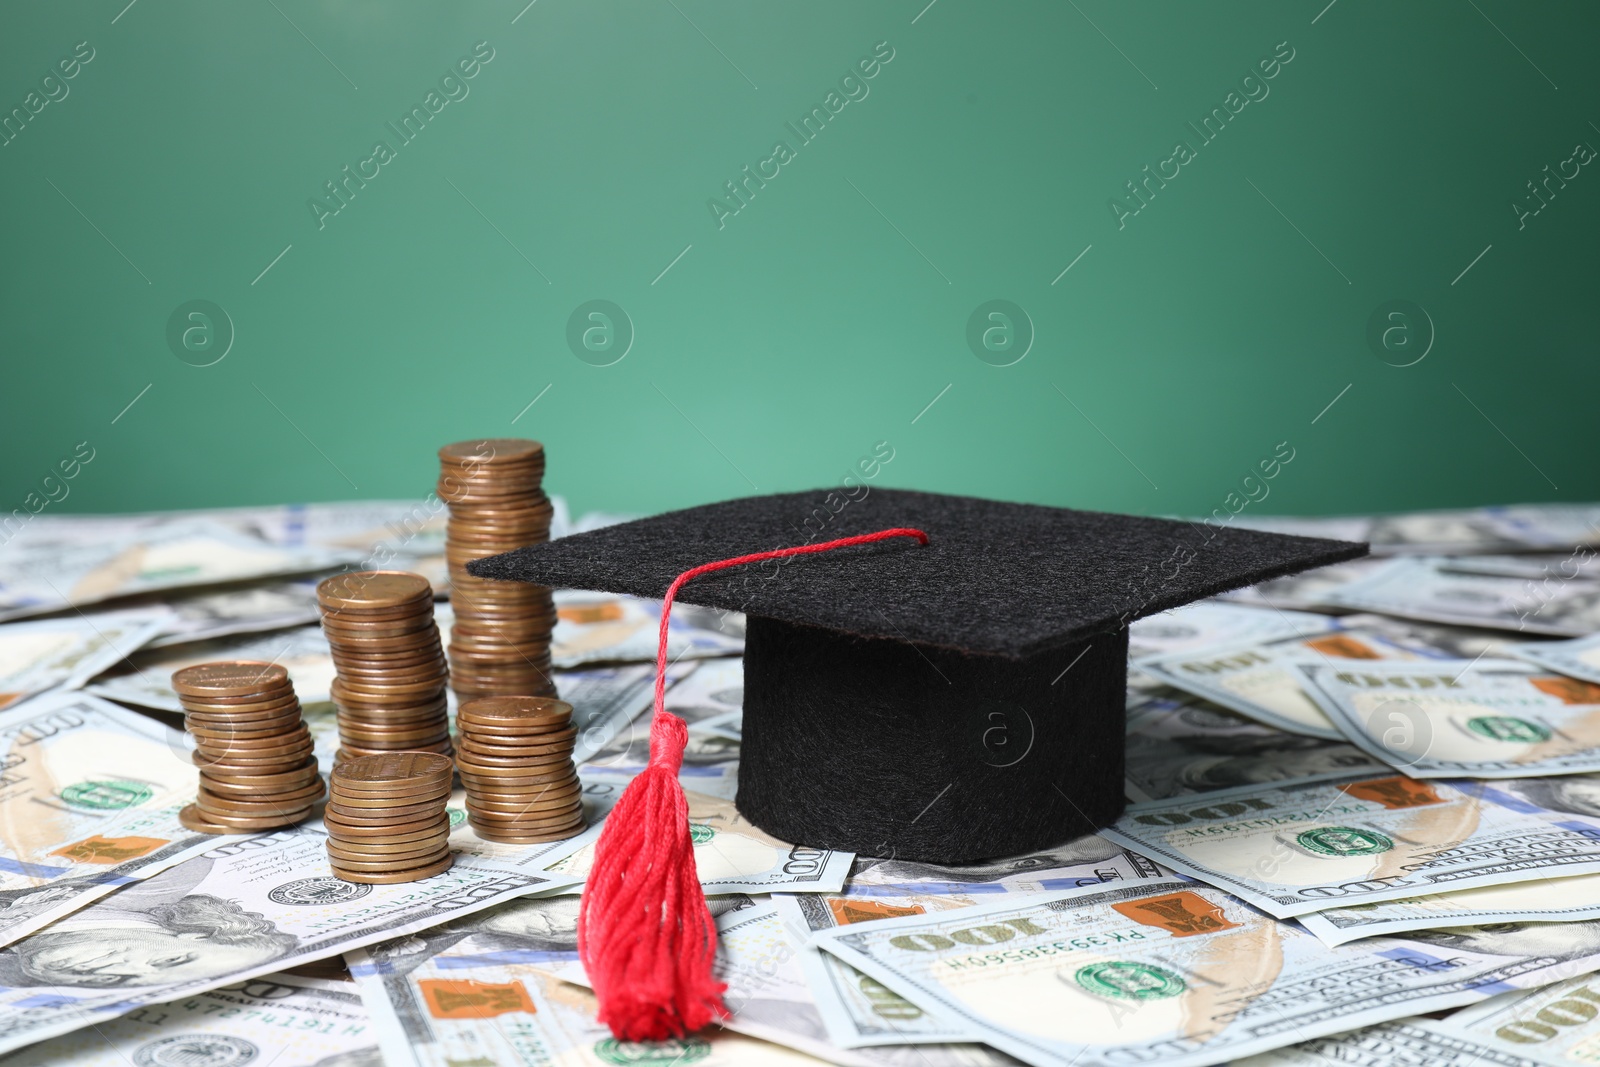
241	610
1543	900
605	703
859	1011
606	628
65	653
733	855
1455	718
1179	744
477	992
47	568
1420	588
713	692
1213	622
1405	1041
239	911
147	681
89	801
278	1020
1580	658
1307	590
1558	1025
1259	680
1298	847
1164	971
1501	528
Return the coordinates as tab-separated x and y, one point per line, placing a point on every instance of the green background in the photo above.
825	316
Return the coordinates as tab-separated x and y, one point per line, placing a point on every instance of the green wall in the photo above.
1180	349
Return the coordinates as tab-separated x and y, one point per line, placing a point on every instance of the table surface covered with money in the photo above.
1364	827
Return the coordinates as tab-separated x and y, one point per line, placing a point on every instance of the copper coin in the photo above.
529	808
356	834
386	866
266	804
228	678
238	764
343	648
492	451
246	732
360	816
274	744
235	824
499	783
478	764
563	823
504	735
394	878
193	819
393	742
424	689
407	854
385	771
285	709
511	796
386	829
559	742
373	589
238	705
381	804
232	783
541	815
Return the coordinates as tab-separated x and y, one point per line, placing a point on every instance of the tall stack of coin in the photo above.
254	752
386	819
392	675
500	643
515	759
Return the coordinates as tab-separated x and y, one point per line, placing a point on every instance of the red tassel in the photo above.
645	935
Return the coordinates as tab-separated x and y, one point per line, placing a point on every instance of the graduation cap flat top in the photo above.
948	702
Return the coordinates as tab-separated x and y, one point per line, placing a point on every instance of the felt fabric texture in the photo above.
1002	579
888	749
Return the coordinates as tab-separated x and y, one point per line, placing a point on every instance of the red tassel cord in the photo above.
645	935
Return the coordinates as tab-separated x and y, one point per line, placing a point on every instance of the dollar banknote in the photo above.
1499	528
1579	658
1297	847
1421	588
859	1011
1558	1025
147	680
277	1020
1463	718
1180	744
1213	622
607	628
1541	900
242	609
732	854
245	908
47	568
45	654
477	991
1259	679
711	690
1405	1041
1167	971
89	801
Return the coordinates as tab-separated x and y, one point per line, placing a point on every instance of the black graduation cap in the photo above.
949	702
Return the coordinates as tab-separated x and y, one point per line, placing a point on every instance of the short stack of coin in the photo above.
386	820
257	771
392	674
515	759
500	642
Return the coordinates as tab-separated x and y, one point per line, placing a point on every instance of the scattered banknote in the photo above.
1308	589
1463	718
1536	566
1542	900
47	568
66	652
1167	971
1502	528
606	628
1179	743
1580	658
242	609
1213	622
245	908
859	1011
710	692
1421	588
89	801
477	992
1406	1041
732	855
277	1020
1557	1025
147	681
1260	680
1297	847
605	703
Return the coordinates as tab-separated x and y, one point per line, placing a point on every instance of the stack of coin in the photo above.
392	675
386	819
500	643
254	752
515	759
